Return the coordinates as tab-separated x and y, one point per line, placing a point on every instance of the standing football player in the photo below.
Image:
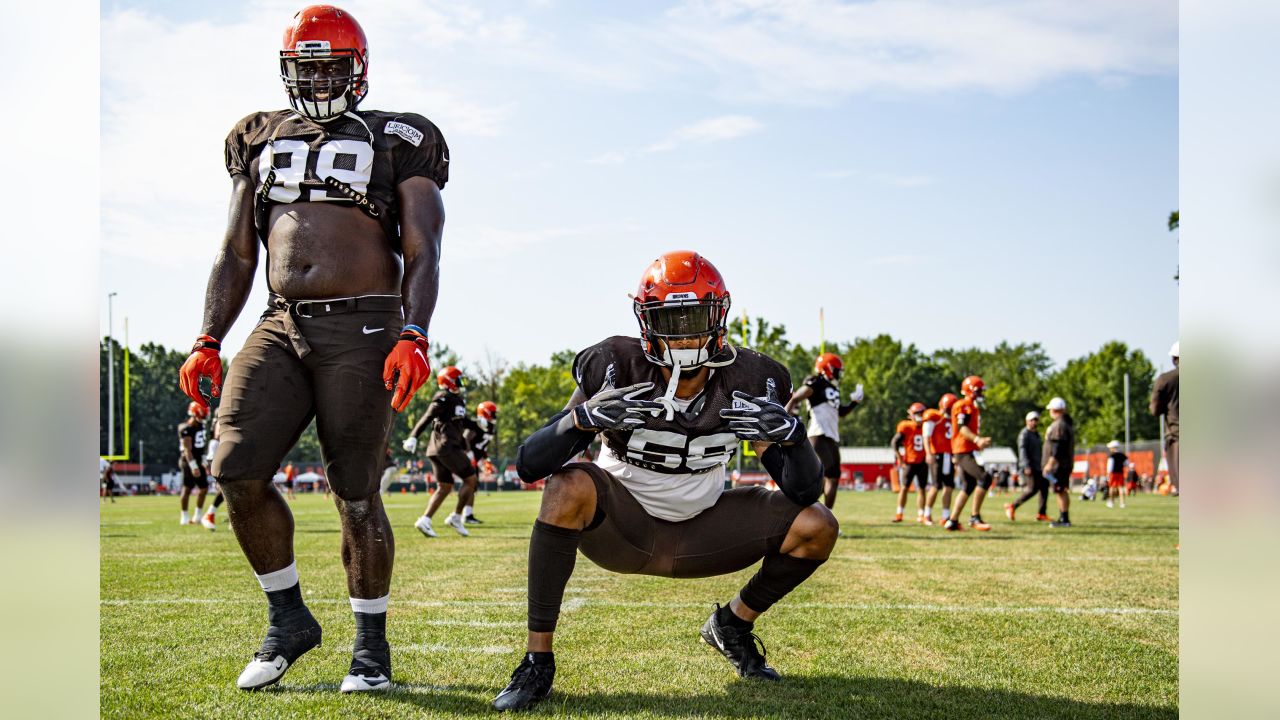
447	450
107	479
966	420
822	390
346	204
937	453
671	408
479	434
908	445
1117	465
191	446
208	520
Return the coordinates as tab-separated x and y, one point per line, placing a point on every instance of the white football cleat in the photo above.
185	518
261	673
424	525
208	522
455	521
362	683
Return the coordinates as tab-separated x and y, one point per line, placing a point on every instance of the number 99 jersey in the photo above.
356	159
696	440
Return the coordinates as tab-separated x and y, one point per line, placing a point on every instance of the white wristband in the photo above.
194	465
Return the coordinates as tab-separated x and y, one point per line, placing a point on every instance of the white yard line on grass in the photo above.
925	557
577	603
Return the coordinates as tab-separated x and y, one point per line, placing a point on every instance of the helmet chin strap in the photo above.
697	360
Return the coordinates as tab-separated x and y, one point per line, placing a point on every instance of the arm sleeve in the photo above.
423	421
548	449
1024	460
927	431
848	408
796	469
421	150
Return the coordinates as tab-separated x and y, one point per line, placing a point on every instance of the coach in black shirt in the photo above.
1029	464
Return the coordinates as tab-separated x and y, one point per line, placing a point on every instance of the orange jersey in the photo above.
964	413
912	441
939	440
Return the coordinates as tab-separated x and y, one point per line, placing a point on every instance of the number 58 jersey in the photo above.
356	159
675	468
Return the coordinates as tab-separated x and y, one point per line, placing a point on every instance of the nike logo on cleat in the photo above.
367	331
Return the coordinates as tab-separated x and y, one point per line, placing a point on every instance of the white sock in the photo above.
946	513
281	579
376	606
466	511
928	512
919	512
212	509
186	517
900	509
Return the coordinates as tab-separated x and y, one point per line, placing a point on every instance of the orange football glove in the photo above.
203	362
406	368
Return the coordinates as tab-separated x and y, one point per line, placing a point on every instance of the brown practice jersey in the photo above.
694	441
479	437
912	441
447	414
939	439
195	431
965	413
361	155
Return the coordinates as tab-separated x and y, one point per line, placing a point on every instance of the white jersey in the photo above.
824	408
666	496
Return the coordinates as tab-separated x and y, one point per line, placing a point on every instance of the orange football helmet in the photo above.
829	366
451	379
324	62
487	411
917	408
198	411
973	387
946	401
682	296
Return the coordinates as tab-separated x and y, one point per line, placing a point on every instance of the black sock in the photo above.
541	658
726	616
1065	516
778	575
217	500
285	601
371	630
553	550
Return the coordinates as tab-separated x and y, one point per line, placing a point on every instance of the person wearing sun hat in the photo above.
1164	401
1059	457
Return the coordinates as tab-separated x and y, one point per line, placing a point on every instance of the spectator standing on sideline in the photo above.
1059	457
1164	401
1030	464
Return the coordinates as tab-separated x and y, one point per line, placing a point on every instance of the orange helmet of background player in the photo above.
682	296
915	409
487	410
324	34
829	366
198	411
946	401
973	387
450	379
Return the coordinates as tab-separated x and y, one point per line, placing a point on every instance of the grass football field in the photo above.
903	622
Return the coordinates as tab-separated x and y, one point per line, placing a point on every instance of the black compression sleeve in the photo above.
848	408
548	449
796	469
420	425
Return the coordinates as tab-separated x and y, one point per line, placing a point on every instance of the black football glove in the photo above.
762	419
616	409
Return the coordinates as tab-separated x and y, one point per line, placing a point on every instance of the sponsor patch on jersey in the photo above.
408	132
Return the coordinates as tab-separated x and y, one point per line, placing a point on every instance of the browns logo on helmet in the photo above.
324	62
682	296
829	366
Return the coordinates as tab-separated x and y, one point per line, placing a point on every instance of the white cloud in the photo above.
816	51
716	129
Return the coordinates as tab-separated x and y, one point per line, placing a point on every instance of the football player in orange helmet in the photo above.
670	409
908	444
936	428
822	391
966	422
447	450
191	446
479	434
345	203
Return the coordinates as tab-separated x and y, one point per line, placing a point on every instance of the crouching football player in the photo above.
671	407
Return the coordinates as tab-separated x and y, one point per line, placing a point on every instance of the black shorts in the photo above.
743	526
971	473
191	480
828	451
917	473
292	369
451	466
1061	484
942	473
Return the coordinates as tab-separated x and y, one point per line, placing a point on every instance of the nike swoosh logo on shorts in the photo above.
367	331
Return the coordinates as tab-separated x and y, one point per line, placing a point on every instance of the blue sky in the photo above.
952	173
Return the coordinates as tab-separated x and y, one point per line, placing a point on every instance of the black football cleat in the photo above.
739	646
1060	523
290	636
952	525
530	684
472	520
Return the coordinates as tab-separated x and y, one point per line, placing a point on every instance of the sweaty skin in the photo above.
321	250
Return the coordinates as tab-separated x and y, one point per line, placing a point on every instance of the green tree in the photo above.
1015	377
1093	387
893	376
